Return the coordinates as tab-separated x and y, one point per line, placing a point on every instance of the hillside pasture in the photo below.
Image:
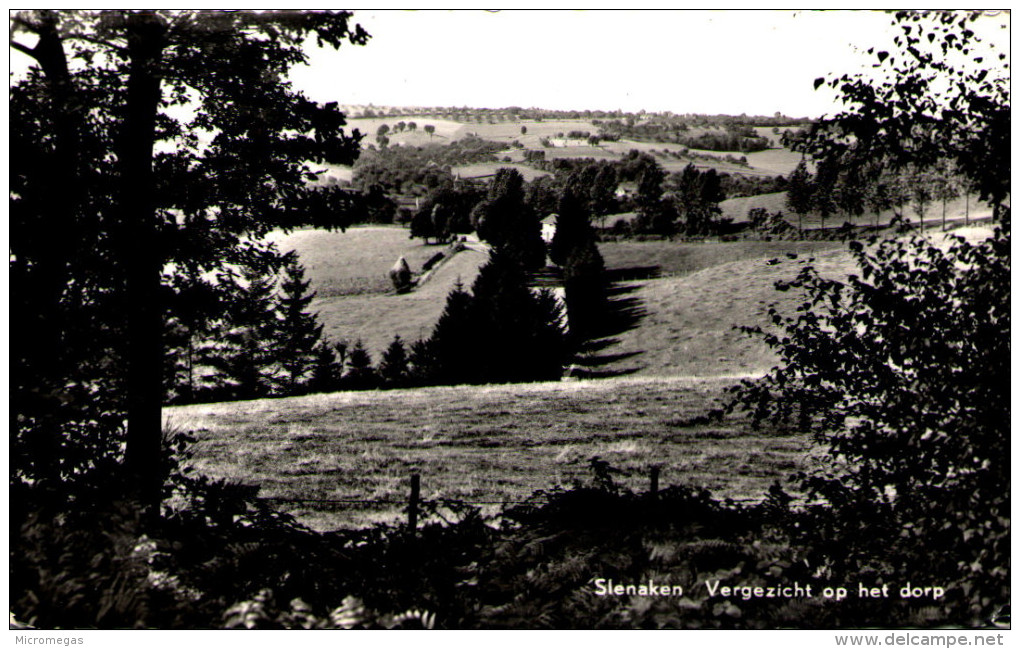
510	131
672	259
355	300
356	261
376	318
487	444
686	325
778	162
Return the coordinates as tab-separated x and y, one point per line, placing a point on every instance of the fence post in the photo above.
655	482
412	506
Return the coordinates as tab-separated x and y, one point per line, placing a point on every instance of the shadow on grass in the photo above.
623	313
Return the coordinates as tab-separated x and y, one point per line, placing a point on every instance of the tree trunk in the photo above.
42	272
143	258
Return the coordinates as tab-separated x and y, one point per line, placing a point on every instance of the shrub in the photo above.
903	373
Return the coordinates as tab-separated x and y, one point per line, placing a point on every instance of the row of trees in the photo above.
731	137
685	203
412	170
849	188
249	334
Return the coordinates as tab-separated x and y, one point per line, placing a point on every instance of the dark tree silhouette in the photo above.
300	333
188	202
505	220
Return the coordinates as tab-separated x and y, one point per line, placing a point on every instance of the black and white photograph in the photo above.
510	319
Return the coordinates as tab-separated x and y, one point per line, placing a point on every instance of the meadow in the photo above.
355	299
686	324
490	444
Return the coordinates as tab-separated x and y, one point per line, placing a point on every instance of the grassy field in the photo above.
685	325
355	298
775	161
354	262
669	258
491	444
375	319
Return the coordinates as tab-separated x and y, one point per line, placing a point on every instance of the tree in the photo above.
969	124
505	220
412	126
947	185
327	371
430	129
584	287
300	334
185	201
245	358
573	227
524	130
448	356
360	374
653	216
902	370
393	369
382	130
798	194
823	189
500	332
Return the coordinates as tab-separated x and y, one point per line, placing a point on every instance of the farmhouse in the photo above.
549	228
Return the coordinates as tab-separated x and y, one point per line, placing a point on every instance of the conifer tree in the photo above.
449	355
360	373
299	331
393	369
573	227
327	369
506	220
584	286
243	360
519	334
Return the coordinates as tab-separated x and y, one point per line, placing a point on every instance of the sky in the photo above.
756	62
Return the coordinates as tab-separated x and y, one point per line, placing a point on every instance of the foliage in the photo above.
300	332
505	220
936	97
500	332
87	117
696	196
902	372
446	211
393	368
222	559
573	227
770	224
584	288
360	374
416	170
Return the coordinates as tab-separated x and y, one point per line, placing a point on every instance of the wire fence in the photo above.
414	503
